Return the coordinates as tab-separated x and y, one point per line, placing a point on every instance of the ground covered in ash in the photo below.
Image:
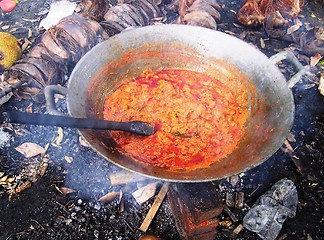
55	195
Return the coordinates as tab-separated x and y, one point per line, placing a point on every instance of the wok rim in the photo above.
176	28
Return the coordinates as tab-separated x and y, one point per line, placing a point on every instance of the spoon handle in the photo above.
136	127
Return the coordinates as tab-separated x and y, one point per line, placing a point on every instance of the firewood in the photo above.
230	214
239	200
123	177
143	194
238	229
156	204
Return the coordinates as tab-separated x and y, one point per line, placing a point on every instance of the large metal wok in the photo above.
186	47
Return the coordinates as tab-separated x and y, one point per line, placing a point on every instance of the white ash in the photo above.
4	138
271	210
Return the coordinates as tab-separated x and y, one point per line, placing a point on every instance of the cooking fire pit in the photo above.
70	191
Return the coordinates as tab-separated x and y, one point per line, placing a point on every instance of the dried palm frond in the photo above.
93	9
130	13
250	14
204	13
254	12
275	25
61	47
292	8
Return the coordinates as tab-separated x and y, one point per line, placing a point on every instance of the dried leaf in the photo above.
225	223
29	109
22	187
46	147
109	197
315	59
11	179
65	190
3	179
59	138
298	22
83	142
321	84
43	167
292	29
308	26
26	44
230	32
243	34
262	43
68	159
289	147
6	27
30	149
30	33
309	86
291	137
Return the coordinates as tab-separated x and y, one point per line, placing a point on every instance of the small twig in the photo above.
320	123
129	226
62	206
256	189
230	214
37	223
15	234
155	206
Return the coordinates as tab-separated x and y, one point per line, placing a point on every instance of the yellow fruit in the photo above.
10	50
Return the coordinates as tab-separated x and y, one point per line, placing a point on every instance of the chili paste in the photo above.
198	119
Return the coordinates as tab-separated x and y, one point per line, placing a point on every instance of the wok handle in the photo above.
50	92
288	55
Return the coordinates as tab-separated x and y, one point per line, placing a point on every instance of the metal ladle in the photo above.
136	127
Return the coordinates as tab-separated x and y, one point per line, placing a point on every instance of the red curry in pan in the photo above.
198	119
